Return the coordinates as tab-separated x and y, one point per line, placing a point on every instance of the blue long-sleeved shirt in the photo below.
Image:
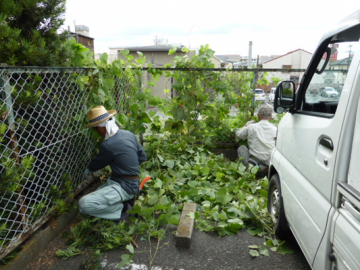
124	154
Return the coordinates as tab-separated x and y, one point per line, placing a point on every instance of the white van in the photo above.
314	188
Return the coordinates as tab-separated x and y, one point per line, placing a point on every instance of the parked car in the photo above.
260	95
272	94
329	92
314	187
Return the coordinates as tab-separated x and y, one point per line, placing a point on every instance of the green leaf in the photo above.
234	227
169	163
126	259
240	195
165	201
130	248
184	49
253	246
222	196
172	51
122	118
104	58
147	212
134	108
109	83
161	159
135	210
219	175
256	231
284	249
264	193
160	207
205	170
193	183
254	253
263	251
174	220
236	220
222	216
153	199
234	210
158	183
254	170
206	204
269	243
178	113
193	191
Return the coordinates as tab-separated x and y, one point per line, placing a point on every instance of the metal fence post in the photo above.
253	90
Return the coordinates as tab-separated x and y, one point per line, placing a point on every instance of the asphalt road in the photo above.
207	252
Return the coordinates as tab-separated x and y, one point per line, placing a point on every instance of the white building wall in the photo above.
216	61
297	60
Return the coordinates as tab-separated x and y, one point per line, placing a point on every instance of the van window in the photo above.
323	93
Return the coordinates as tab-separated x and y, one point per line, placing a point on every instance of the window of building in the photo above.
286	67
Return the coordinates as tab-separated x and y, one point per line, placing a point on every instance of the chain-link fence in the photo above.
44	148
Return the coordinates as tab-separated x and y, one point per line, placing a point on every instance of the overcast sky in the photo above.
274	26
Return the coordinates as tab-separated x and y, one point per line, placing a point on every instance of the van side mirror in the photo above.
284	96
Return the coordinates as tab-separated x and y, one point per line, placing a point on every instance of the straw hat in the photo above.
98	115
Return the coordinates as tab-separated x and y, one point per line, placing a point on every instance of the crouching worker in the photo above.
261	140
123	153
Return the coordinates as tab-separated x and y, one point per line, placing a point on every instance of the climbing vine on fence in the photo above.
228	196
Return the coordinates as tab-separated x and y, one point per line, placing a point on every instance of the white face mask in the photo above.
111	127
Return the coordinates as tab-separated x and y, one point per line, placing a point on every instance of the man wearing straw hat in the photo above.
123	153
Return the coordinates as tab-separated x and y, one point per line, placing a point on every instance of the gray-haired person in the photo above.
124	154
260	137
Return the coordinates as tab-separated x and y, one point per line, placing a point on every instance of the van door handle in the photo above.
327	142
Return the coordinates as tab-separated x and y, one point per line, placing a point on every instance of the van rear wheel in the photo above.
276	208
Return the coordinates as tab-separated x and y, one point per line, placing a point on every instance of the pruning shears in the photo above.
147	178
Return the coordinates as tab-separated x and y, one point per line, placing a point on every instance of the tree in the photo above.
28	33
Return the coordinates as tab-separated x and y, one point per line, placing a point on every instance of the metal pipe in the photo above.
250	54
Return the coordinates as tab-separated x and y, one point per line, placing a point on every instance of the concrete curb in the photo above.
186	226
38	241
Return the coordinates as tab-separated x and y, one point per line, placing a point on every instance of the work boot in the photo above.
124	214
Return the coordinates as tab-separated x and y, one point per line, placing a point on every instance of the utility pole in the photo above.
250	54
76	36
